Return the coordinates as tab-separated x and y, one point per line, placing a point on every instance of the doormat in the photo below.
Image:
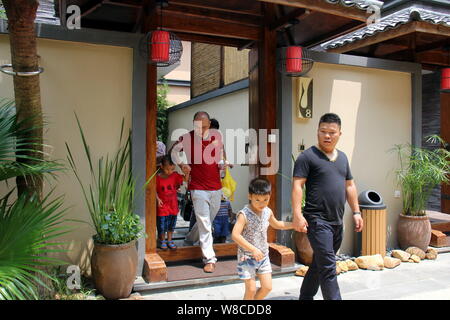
194	270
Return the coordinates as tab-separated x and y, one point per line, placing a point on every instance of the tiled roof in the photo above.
392	21
361	4
45	12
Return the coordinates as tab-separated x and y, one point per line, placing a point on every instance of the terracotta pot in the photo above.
114	269
413	231
304	250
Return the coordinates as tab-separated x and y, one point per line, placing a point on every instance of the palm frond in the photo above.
26	227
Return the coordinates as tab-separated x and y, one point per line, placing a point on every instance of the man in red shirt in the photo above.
203	149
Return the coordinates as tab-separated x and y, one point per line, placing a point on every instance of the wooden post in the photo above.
445	134
155	269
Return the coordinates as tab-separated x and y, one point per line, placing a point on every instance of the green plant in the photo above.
61	291
162	121
28	225
27	230
110	194
14	145
2	11
421	169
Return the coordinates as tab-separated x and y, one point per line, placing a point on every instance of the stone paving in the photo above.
427	280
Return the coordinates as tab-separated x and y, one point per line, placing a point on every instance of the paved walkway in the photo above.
427	280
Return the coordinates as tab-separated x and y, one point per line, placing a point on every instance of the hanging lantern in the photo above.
445	80
295	61
161	47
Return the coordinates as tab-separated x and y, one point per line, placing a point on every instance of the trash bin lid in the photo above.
370	199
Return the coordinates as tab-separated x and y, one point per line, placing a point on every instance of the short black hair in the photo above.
198	113
330	118
166	159
214	124
260	186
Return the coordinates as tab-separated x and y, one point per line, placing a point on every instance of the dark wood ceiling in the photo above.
235	23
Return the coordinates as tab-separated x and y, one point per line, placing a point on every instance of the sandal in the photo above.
163	245
172	245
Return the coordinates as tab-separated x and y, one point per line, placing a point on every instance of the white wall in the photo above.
375	109
231	111
95	81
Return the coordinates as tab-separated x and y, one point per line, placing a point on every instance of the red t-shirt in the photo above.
167	192
203	156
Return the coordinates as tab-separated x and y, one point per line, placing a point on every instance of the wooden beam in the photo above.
155	270
286	19
281	256
430	28
419	49
177	22
90	6
195	252
150	148
266	104
379	37
322	6
227	17
445	134
349	27
438	239
221	41
236	6
106	25
441	226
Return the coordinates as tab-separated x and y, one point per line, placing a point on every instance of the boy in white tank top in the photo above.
250	233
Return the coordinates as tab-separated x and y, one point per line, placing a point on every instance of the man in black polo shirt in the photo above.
329	183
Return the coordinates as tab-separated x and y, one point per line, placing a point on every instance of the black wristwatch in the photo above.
356	212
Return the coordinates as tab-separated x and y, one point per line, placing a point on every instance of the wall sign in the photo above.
304	97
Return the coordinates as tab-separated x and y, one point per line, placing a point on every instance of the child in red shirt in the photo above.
167	183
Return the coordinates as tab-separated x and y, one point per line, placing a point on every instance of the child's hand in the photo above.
160	203
257	254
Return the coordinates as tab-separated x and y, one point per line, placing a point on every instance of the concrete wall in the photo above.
231	110
95	81
375	108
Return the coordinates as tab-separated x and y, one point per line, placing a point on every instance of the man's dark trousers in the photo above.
325	240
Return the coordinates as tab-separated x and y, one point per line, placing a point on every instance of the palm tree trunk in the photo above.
22	36
21	15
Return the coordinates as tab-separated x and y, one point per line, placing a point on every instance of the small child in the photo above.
250	233
167	183
221	223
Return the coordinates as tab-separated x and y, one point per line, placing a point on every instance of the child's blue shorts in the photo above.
248	268
166	223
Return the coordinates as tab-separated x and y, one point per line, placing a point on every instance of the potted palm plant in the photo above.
421	169
109	198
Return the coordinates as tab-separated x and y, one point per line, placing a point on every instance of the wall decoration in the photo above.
304	97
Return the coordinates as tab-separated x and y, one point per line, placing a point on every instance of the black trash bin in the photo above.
372	240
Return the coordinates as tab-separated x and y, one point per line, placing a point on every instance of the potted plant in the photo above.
109	198
421	169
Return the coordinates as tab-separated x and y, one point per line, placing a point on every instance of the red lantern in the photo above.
160	46
445	80
293	59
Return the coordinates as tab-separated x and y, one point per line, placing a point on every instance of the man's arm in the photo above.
352	199
174	154
299	222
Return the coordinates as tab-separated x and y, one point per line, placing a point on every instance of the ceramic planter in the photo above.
413	231
114	269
